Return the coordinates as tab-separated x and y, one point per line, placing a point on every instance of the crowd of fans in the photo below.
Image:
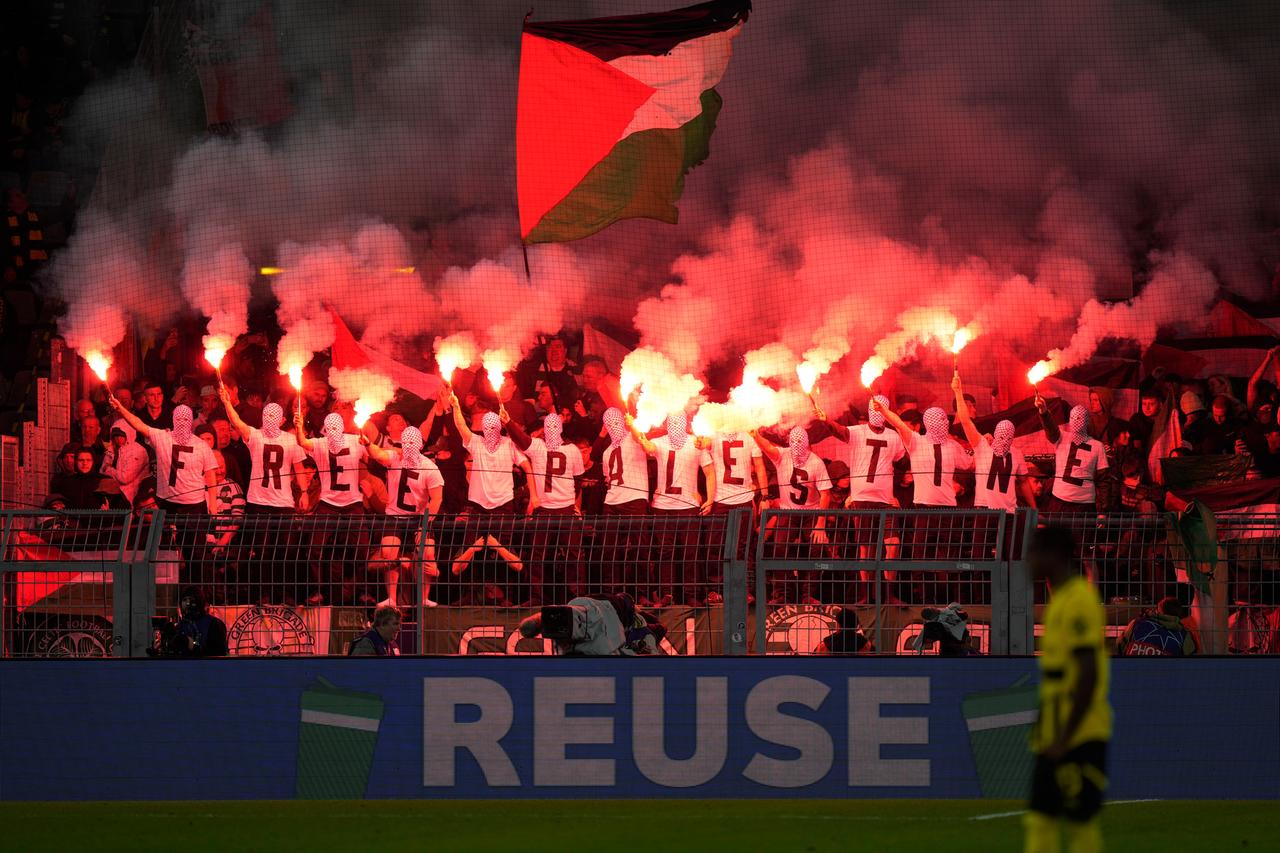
555	441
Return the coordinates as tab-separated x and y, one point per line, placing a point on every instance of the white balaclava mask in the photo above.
1002	438
411	446
272	417
333	429
1078	425
616	425
677	430
876	419
182	424
799	446
936	425
553	431
492	426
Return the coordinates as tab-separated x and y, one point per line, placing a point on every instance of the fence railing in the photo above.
785	582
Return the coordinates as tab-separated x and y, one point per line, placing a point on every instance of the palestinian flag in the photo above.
613	112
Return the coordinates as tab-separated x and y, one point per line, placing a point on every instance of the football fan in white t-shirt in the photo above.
557	546
494	456
555	463
276	459
337	455
414	489
1000	469
935	457
625	467
737	460
185	466
679	461
1079	461
802	484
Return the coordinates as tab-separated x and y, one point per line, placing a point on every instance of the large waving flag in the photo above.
613	112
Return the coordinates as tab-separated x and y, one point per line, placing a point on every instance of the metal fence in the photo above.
786	582
77	583
859	581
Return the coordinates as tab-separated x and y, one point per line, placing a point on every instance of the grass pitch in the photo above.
985	826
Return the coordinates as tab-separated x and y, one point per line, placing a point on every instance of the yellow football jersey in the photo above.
1073	620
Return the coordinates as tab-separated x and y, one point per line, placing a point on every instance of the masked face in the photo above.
1078	424
492	427
936	425
411	446
182	424
1002	438
677	430
333	429
799	445
876	419
553	431
616	425
272	418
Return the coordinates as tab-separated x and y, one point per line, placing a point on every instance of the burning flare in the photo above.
215	349
808	375
98	363
872	369
295	376
961	339
496	363
363	409
457	350
1037	374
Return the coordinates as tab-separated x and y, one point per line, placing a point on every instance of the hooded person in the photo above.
337	455
803	484
125	461
1000	471
625	469
494	457
275	457
936	458
557	466
1079	460
678	494
1102	423
185	465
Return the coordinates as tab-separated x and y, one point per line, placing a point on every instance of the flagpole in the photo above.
524	248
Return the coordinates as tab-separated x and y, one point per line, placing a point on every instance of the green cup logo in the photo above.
999	723
335	742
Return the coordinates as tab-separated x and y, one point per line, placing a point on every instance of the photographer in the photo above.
596	626
197	633
949	628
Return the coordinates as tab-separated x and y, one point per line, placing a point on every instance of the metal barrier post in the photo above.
1020	610
735	582
140	574
762	594
998	638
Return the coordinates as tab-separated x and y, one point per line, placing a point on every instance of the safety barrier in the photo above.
836	581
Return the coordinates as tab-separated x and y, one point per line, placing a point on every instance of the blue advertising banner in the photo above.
610	727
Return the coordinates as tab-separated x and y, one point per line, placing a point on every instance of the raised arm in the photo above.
1051	430
639	436
768	448
962	413
303	442
379	454
1252	396
460	420
129	417
904	431
232	415
840	431
515	430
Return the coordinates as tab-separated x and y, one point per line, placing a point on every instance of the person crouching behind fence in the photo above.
596	626
380	639
388	561
1160	633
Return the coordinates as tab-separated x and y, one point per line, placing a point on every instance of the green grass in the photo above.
562	825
